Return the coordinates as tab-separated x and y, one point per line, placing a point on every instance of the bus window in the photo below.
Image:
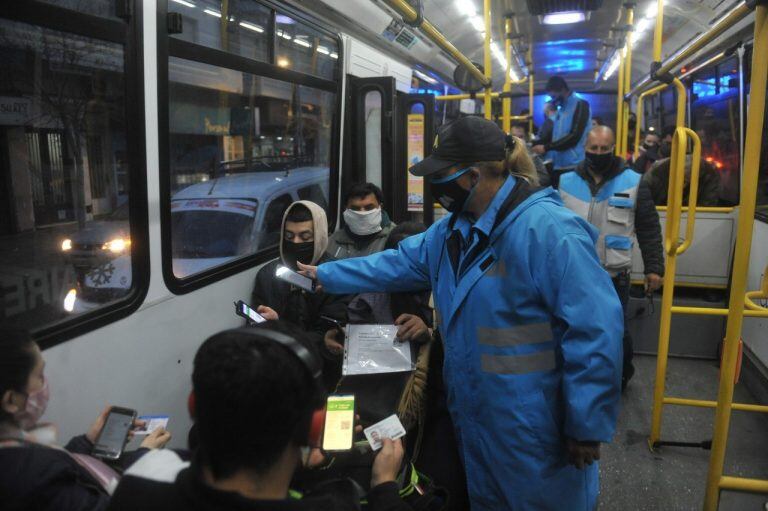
372	116
65	228
240	27
305	49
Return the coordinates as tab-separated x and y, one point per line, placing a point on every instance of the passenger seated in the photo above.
366	224
520	130
657	179
305	238
254	396
35	474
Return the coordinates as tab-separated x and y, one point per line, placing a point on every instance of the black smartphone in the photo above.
244	310
339	429
297	279
114	434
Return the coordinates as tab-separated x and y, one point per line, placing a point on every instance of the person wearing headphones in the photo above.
530	321
255	394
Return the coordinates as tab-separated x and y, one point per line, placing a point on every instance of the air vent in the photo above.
541	7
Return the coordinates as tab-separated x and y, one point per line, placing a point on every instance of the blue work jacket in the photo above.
563	124
532	331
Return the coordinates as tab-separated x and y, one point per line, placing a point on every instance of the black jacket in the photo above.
182	489
40	478
657	179
647	225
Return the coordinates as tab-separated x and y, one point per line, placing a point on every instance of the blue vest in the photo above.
563	120
611	211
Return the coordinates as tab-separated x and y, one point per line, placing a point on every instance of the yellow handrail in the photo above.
531	84
641	114
627	82
409	14
693	191
702	209
506	103
487	102
619	104
751	170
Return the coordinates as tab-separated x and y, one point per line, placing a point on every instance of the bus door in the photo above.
369	135
416	123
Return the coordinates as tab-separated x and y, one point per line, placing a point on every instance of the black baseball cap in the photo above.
466	140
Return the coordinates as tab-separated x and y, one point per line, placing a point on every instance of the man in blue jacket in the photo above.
530	321
569	131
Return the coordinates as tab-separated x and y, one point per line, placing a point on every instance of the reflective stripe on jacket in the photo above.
532	331
611	210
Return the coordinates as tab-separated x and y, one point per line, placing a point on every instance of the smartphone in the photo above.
296	279
339	430
244	310
114	434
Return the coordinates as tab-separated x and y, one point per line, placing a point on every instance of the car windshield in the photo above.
205	234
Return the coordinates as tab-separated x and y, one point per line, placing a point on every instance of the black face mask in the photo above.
301	252
665	149
599	163
450	194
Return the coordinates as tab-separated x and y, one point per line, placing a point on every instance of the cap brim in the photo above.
429	166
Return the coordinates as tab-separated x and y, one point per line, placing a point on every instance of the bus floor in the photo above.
674	478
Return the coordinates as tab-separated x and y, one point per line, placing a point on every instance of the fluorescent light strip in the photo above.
424	77
334	55
323	50
251	26
466	7
284	35
477	23
302	42
212	13
185	3
564	18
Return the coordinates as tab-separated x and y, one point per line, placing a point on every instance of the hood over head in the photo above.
320	224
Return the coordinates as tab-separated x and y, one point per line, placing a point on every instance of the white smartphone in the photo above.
296	279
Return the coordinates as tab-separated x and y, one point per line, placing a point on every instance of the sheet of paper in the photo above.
152	422
374	349
391	427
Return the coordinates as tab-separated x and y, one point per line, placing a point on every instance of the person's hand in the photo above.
387	463
538	149
411	327
268	313
95	429
311	272
653	282
157	439
331	343
316	456
581	454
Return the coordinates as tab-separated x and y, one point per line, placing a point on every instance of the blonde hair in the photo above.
517	163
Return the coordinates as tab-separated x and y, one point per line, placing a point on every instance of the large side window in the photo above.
71	251
250	123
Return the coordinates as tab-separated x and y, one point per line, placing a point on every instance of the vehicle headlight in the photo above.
66	245
69	300
117	245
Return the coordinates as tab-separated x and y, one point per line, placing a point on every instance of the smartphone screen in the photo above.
114	434
242	309
296	279
339	423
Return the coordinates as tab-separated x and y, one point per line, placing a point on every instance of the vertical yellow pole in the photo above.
627	83
506	103
531	86
755	119
639	108
620	104
487	58
657	33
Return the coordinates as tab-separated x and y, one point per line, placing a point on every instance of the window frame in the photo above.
167	47
128	34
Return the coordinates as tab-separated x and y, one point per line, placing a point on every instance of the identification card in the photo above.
151	423
391	427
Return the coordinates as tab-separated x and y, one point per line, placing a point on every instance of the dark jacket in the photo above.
647	225
657	179
40	478
181	489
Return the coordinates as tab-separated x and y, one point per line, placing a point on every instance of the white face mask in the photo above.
363	223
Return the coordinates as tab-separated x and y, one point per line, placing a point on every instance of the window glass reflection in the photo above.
304	49
242	148
65	245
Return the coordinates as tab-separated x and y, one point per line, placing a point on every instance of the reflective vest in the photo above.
611	211
563	121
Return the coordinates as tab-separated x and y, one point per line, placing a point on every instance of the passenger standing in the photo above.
530	321
366	224
611	196
649	152
304	239
571	125
657	179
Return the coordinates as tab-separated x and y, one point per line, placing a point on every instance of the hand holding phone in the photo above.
114	434
244	310
296	279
